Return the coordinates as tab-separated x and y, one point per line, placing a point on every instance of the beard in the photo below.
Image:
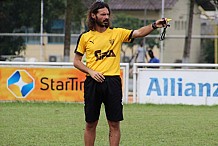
105	23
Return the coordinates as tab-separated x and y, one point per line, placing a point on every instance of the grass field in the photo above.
62	124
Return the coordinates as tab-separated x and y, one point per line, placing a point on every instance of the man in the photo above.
102	46
140	55
153	59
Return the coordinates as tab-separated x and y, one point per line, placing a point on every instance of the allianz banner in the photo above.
41	84
178	86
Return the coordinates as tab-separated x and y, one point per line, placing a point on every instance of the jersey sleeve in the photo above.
80	46
126	35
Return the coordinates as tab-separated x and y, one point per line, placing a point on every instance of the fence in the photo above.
52	46
44	81
194	84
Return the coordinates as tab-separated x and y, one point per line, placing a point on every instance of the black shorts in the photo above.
108	92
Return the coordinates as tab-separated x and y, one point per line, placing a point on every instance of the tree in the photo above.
19	16
207	47
53	10
186	53
67	36
74	11
14	15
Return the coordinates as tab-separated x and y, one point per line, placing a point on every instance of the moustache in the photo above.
106	20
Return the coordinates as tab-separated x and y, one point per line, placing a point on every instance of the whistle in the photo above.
168	19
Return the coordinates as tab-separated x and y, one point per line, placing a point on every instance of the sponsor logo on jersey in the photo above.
101	55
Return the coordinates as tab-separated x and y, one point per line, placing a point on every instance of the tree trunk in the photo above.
186	53
67	37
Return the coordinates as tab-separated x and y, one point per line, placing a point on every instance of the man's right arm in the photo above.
79	65
82	67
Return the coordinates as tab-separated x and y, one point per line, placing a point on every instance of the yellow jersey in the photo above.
103	49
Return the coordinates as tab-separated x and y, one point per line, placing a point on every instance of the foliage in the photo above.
20	16
53	10
130	22
79	12
11	45
15	16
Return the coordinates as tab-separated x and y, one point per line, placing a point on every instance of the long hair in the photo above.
94	10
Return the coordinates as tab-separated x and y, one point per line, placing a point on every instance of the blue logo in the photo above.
20	83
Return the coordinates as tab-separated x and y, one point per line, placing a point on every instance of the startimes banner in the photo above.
41	84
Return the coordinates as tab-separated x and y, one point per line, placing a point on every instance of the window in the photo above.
57	28
180	25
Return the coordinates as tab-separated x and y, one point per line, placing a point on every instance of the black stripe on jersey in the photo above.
78	53
130	37
75	51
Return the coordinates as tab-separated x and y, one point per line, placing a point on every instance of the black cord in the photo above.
166	22
162	35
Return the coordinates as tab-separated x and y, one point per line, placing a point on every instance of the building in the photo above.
173	45
178	10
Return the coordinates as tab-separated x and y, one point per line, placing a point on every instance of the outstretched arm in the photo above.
143	31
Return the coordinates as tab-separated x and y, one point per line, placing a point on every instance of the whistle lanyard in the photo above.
162	35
